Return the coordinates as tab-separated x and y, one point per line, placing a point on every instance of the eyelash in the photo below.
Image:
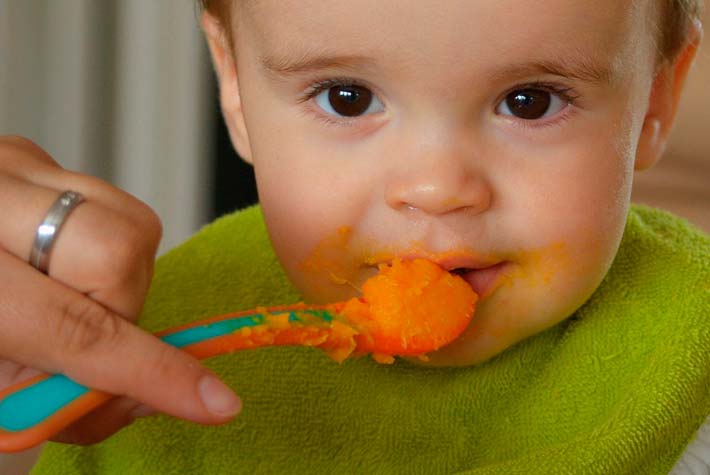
325	84
567	94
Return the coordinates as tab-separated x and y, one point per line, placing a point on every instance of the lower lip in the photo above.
485	281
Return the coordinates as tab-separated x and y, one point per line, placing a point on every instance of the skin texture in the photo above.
436	167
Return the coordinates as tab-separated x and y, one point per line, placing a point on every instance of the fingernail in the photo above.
218	398
142	411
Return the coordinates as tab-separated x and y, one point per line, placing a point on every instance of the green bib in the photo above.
619	387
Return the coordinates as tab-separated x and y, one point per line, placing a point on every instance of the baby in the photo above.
498	139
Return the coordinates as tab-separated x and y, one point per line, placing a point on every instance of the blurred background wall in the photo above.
123	89
118	89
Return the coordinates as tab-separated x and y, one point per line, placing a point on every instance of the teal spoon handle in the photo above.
34	410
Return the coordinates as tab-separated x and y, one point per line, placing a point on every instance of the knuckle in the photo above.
90	184
87	182
138	218
123	256
164	363
84	326
146	223
18	141
14	148
152	226
122	249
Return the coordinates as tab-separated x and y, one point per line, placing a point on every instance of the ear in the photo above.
223	60
663	102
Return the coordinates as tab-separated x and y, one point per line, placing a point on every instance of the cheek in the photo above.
312	213
298	218
310	191
576	194
583	209
568	220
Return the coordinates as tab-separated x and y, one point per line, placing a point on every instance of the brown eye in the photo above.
530	104
348	100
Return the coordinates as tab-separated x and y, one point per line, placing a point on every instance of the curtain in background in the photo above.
117	89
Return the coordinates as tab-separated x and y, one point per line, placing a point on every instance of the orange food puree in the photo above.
409	308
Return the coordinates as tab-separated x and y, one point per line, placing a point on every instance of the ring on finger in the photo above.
49	228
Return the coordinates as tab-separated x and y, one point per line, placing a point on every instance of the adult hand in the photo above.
78	318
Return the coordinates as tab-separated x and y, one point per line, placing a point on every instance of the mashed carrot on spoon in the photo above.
409	308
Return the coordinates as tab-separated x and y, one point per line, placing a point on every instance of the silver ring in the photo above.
49	228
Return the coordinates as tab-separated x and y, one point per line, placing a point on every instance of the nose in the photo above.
439	183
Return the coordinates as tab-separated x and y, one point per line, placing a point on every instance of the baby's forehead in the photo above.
502	17
593	35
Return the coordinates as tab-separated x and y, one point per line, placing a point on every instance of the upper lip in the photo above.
464	262
451	262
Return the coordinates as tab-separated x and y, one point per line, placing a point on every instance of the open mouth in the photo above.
485	280
460	271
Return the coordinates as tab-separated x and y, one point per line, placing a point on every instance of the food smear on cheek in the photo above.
539	267
330	258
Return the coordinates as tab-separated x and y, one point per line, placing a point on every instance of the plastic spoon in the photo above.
409	309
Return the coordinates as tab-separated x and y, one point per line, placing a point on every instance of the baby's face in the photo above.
495	138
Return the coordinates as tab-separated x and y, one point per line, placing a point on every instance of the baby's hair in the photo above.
677	17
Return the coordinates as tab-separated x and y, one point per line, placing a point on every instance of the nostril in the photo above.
439	192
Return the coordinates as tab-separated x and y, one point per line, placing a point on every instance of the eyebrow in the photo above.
308	63
580	68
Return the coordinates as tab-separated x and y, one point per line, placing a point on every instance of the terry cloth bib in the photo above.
619	387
